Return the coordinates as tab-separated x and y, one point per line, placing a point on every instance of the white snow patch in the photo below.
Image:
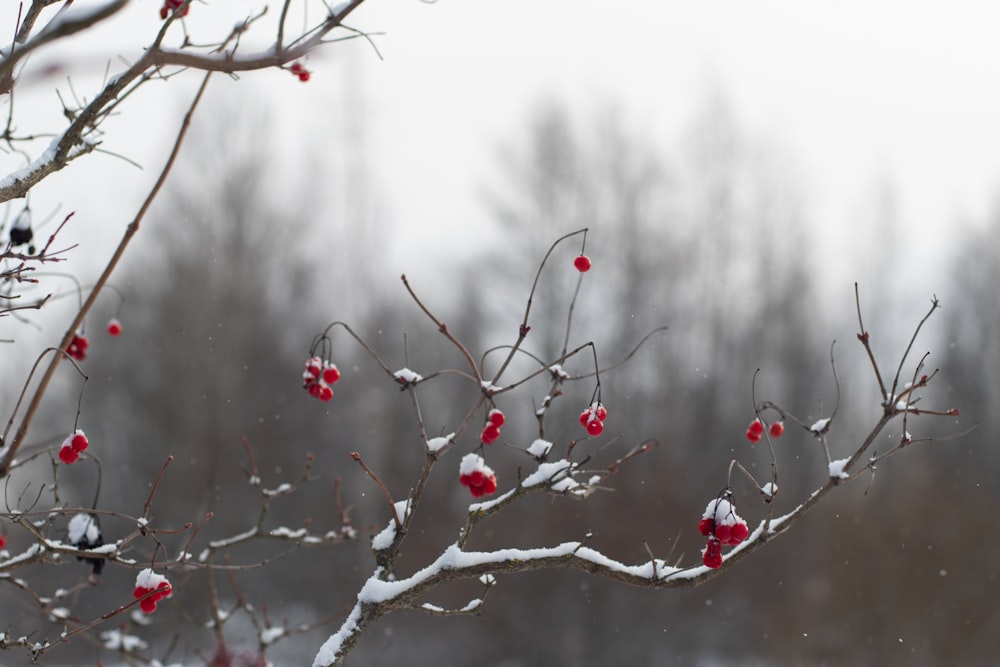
770	489
539	448
406	376
271	635
837	469
558	474
384	539
116	640
820	425
437	444
83	528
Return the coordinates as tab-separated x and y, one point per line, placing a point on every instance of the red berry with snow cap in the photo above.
114	327
706	526
496	417
475	475
330	373
68	455
78	441
582	263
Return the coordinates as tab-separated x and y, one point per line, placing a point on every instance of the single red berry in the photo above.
595	428
79	442
777	428
490	433
325	393
496	418
114	327
713	560
476	479
739	532
164	12
82	342
477	491
313	368
722	532
3	542
68	455
752	436
465	480
331	374
304	76
585	417
139	592
706	526
582	263
148	605
490	485
601	413
756	427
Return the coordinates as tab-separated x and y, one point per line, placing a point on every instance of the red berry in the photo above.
582	263
713	560
739	533
756	427
476	479
81	342
163	12
490	433
313	368
79	442
777	428
722	532
496	418
752	436
465	480
325	393
114	327
139	592
706	526
601	413
304	76
3	542
331	374
595	428
490	485
585	417
68	455
148	605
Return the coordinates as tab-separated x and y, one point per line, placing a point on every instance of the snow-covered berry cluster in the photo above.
77	347
478	477
155	586
170	6
71	447
299	70
723	526
491	431
755	431
318	376
593	418
582	263
114	327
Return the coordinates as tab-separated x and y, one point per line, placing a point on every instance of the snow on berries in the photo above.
593	418
299	70
71	447
317	377
491	431
77	347
114	327
150	588
170	6
582	263
723	526
776	429
478	477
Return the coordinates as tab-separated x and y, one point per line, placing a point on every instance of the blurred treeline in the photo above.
708	237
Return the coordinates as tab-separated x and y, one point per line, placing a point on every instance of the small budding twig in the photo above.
388	496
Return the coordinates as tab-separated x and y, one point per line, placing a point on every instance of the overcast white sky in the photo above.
857	94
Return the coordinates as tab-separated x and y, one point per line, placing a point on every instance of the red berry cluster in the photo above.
299	70
494	420
582	263
154	585
318	376
722	525
593	418
477	476
170	6
74	443
756	430
114	327
78	347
